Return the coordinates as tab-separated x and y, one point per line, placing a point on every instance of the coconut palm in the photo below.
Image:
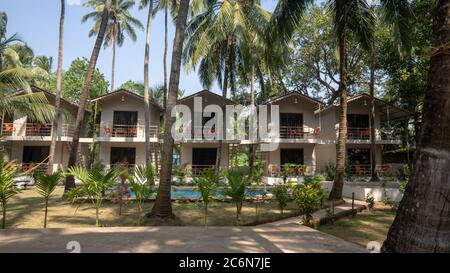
219	38
148	149
422	220
56	122
95	184
236	190
70	182
163	207
46	185
120	22
7	185
207	184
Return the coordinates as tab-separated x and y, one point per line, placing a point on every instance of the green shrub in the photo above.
309	199
236	190
256	172
142	183
207	184
330	171
281	193
181	173
7	185
404	172
370	200
46	185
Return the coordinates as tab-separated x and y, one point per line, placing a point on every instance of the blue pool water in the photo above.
194	194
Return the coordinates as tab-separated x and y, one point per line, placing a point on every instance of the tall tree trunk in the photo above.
70	181
338	185
224	91
252	148
166	15
57	121
373	146
422	222
148	148
163	207
113	65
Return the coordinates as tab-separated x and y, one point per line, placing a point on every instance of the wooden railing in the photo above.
35	129
294	170
366	169
358	133
120	130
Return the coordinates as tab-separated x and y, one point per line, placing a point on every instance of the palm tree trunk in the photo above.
163	207
70	181
4	217
56	121
336	191
113	65
166	15
148	148
373	146
422	221
252	148
45	213
224	91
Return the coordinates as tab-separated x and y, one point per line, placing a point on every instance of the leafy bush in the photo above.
330	171
404	172
236	190
308	198
316	182
181	173
281	193
207	184
370	200
256	172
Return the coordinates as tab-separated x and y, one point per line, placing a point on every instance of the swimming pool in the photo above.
192	193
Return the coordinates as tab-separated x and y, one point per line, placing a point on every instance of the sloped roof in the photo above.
205	91
294	93
125	92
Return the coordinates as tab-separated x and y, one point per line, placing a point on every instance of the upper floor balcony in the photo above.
364	134
34	130
126	131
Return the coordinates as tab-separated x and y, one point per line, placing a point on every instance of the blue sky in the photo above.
37	24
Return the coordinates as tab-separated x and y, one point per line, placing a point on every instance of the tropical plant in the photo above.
120	23
207	184
256	172
330	171
56	122
121	193
46	185
370	200
181	173
281	193
95	185
7	185
163	207
142	183
70	182
235	189
308	199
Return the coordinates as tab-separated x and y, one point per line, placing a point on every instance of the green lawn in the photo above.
26	210
367	226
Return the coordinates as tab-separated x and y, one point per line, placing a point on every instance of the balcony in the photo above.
128	131
354	133
34	129
366	170
292	171
199	169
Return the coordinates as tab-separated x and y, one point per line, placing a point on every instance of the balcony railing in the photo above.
122	167
33	167
120	130
358	133
204	132
293	170
34	129
366	170
199	169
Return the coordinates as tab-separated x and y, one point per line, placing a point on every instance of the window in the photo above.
357	156
204	156
125	118
123	155
357	121
291	120
291	156
35	154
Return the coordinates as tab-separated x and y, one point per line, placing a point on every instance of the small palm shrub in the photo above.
370	200
7	185
236	190
207	184
181	173
46	185
309	199
256	172
281	193
330	171
95	184
142	183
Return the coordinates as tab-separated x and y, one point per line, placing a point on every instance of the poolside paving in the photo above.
283	236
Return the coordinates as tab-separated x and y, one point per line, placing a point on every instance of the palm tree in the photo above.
163	207
70	182
148	150
219	39
56	123
142	183
95	185
120	22
236	190
46	185
7	185
422	223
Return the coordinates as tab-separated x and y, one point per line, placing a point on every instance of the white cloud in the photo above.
74	2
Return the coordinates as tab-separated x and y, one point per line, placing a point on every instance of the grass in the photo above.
366	226
26	210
